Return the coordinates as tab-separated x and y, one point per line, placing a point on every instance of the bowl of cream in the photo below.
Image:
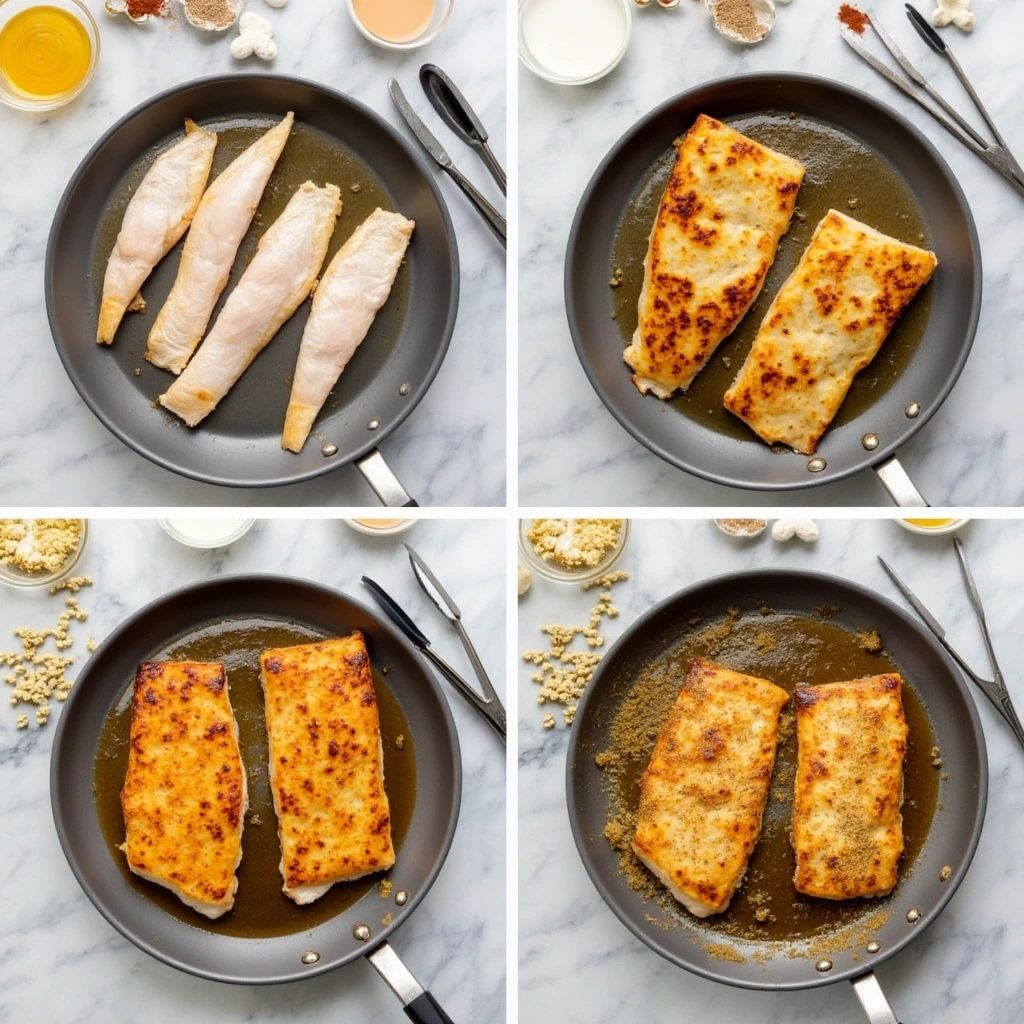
400	24
573	42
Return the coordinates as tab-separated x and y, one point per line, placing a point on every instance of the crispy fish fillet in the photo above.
826	324
705	789
219	225
158	214
184	797
847	825
274	285
355	285
326	765
727	203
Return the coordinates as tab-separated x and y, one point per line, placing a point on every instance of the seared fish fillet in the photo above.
158	214
826	324
727	203
704	792
355	285
274	285
326	765
184	796
847	825
220	224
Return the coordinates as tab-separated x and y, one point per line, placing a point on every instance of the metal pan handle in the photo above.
420	1006
385	484
897	482
872	999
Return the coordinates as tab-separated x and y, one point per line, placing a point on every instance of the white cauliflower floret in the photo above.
803	529
956	12
256	36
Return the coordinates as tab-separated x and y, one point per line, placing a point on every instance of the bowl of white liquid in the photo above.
206	533
573	42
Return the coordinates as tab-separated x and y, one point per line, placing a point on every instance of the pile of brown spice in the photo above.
855	20
738	18
563	674
214	15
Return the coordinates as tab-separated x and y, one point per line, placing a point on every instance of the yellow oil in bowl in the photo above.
45	52
930	524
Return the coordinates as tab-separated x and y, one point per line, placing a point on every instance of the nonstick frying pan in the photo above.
870	439
338	940
240	443
952	838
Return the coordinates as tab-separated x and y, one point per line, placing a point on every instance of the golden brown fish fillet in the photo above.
184	796
326	765
826	324
704	792
727	203
847	825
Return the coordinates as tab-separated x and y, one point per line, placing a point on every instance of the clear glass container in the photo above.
442	12
584	574
38	580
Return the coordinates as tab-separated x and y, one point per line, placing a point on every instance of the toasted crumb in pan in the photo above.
870	640
945	873
723	951
385	888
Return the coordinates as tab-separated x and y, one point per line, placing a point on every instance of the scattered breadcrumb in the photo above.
574	543
387	918
256	820
870	640
73	584
355	188
91	645
400	741
563	673
385	887
616	278
945	873
38	545
21	722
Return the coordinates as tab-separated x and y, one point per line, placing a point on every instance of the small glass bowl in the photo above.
933	531
379	531
582	575
38	580
543	71
241	528
442	12
11	96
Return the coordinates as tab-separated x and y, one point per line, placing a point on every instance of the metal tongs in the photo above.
994	689
997	155
488	705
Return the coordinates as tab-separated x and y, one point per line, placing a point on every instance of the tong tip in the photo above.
924	30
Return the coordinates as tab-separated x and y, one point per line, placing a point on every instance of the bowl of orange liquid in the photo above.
48	52
400	24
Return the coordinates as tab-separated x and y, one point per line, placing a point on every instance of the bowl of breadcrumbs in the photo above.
37	553
572	550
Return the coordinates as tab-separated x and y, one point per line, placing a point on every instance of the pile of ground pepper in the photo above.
563	674
37	675
38	546
574	543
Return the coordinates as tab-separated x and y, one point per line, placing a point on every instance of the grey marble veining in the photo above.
451	450
579	965
60	962
571	448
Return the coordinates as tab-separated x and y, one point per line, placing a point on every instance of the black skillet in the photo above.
869	440
240	443
954	832
288	957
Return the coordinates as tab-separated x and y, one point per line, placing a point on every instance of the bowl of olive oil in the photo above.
48	52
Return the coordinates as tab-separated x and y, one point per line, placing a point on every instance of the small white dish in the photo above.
946	525
442	12
764	12
528	51
389	527
204	534
743	529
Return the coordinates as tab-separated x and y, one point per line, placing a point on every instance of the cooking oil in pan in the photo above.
261	909
790	650
842	174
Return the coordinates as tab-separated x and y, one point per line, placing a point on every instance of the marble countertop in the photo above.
53	451
61	962
972	451
579	965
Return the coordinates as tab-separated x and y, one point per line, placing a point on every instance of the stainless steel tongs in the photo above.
994	689
997	155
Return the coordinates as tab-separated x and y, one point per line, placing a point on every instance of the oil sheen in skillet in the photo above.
840	168
261	909
310	154
789	650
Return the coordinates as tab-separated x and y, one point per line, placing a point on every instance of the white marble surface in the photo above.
61	962
451	450
579	965
571	448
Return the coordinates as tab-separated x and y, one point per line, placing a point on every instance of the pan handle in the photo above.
901	488
420	1006
872	999
385	484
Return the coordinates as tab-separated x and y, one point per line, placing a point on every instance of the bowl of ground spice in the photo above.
572	550
744	22
37	553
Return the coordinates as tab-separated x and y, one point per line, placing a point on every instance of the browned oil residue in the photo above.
790	650
261	909
840	168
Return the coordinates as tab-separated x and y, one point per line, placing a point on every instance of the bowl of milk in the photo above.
573	42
